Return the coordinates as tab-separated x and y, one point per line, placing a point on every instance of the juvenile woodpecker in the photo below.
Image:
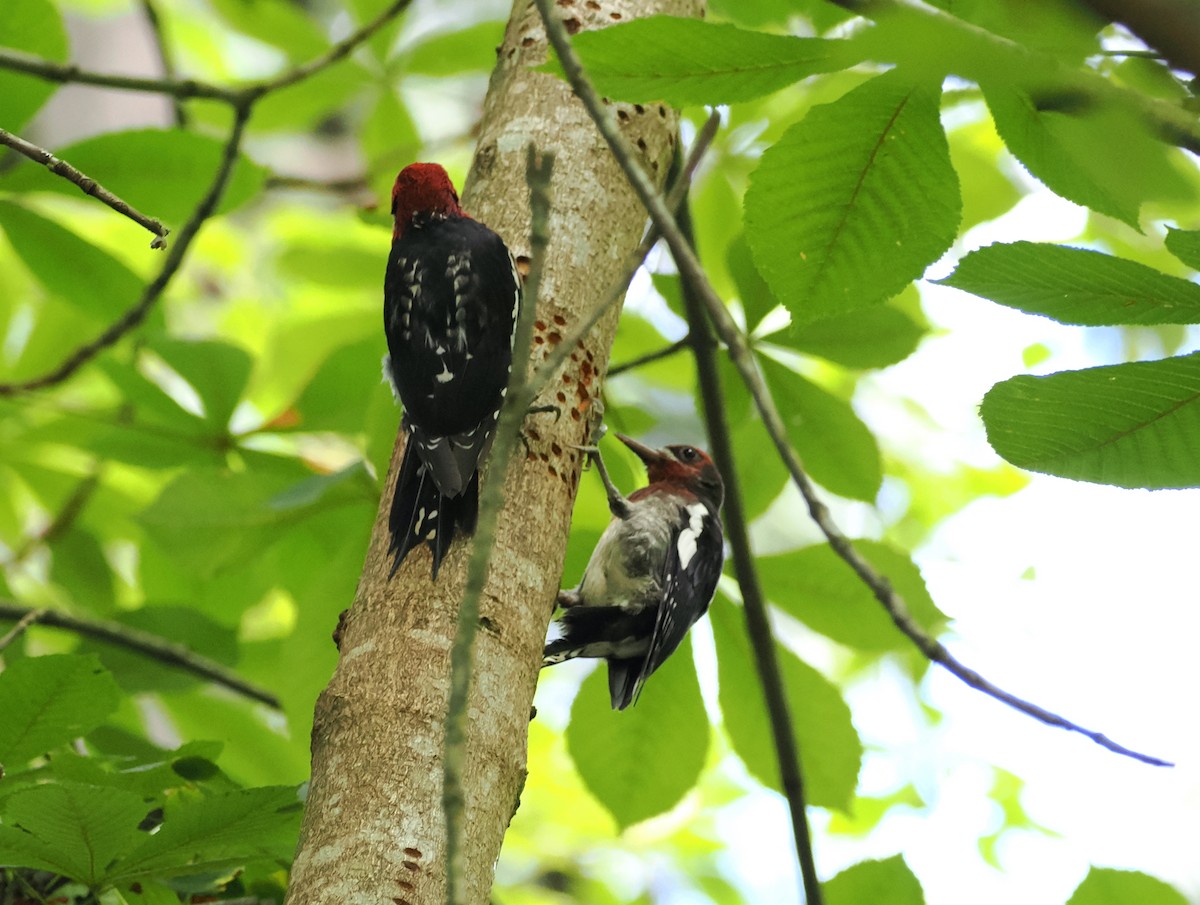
451	297
652	574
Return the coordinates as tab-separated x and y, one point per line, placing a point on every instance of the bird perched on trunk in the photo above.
451	297
652	574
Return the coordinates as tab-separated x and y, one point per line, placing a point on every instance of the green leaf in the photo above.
278	23
220	831
816	586
1105	886
1185	245
689	61
1131	425
830	751
209	520
33	26
217	371
887	882
75	830
838	450
95	282
1076	285
162	172
854	201
48	701
641	761
470	49
1074	154
870	338
756	296
81	568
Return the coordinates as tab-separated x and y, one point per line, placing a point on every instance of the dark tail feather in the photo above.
624	682
415	491
420	514
455	514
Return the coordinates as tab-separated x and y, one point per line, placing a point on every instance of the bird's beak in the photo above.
645	453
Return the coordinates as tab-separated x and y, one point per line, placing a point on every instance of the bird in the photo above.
651	575
451	299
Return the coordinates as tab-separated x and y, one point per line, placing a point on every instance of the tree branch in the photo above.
145	643
691	271
754	604
650	357
512	414
165	59
86	184
154	290
183	89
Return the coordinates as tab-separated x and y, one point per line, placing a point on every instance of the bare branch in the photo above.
692	272
754	604
154	290
512	414
134	639
165	59
650	357
86	184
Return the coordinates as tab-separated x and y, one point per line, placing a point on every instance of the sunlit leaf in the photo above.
184	166
1076	285
830	751
689	61
887	882
838	450
36	27
817	587
1185	245
1132	425
95	282
1071	150
48	701
1105	886
74	830
641	761
470	49
855	200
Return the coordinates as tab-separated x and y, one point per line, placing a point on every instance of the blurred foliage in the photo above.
212	477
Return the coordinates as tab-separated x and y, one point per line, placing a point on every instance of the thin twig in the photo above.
691	271
87	184
154	290
165	59
63	73
146	643
650	357
512	414
184	89
616	291
61	522
23	623
754	604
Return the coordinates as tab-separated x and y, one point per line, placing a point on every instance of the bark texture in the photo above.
373	830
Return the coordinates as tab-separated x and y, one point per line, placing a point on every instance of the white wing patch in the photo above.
689	535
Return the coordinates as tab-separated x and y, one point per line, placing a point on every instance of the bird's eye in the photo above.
687	454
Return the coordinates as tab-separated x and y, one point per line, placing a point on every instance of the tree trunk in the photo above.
374	829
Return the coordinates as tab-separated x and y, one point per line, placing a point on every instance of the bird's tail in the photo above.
617	635
421	514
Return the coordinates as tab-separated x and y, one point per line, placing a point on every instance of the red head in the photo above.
422	188
683	467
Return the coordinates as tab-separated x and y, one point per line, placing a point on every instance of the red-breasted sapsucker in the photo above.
451	298
652	574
